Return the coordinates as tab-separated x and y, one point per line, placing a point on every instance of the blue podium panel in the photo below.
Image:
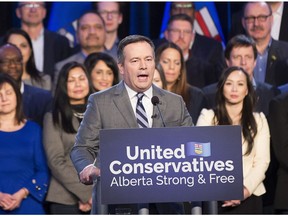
171	164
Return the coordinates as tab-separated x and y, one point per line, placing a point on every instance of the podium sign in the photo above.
171	164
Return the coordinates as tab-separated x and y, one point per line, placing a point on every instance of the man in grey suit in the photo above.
116	108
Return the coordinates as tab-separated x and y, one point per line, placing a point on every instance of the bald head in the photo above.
11	61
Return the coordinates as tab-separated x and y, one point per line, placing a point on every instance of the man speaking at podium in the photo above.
127	105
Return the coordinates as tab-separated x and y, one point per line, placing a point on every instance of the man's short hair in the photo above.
88	12
129	40
182	5
183	17
240	40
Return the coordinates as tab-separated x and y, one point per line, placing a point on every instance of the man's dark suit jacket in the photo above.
36	102
197	102
264	92
210	57
278	122
277	63
56	48
237	28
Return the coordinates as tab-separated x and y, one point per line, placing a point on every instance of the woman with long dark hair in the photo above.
170	56
31	75
66	195
102	69
235	101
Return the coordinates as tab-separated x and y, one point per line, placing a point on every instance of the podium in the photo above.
183	164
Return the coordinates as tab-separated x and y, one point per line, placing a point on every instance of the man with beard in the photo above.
272	62
91	36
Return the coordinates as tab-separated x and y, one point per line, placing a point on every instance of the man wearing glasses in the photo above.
271	66
111	12
49	47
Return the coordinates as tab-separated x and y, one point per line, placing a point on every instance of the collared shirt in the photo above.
261	64
38	49
277	18
22	87
254	83
146	102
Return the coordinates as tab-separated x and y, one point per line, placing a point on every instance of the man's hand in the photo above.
231	203
88	174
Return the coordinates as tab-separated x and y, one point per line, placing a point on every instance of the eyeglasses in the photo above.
261	18
32	5
178	32
109	13
8	62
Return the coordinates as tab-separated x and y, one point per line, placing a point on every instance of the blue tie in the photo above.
141	113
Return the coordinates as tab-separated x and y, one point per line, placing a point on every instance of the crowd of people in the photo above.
54	100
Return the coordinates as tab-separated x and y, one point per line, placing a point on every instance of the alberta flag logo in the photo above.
198	149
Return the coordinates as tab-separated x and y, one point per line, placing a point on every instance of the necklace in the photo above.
78	115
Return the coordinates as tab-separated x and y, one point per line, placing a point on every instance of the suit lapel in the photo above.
157	122
123	104
48	53
272	58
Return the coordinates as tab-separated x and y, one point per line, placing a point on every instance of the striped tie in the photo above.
141	113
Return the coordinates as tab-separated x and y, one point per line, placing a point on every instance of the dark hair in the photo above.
248	123
190	5
62	110
129	40
30	66
183	17
180	87
159	68
240	41
93	58
5	78
89	12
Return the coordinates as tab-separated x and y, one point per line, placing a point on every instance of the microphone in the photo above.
155	101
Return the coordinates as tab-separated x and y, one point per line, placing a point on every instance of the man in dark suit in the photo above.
241	51
116	108
278	121
272	59
203	56
49	47
36	101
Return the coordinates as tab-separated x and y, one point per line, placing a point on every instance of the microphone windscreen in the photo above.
155	100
